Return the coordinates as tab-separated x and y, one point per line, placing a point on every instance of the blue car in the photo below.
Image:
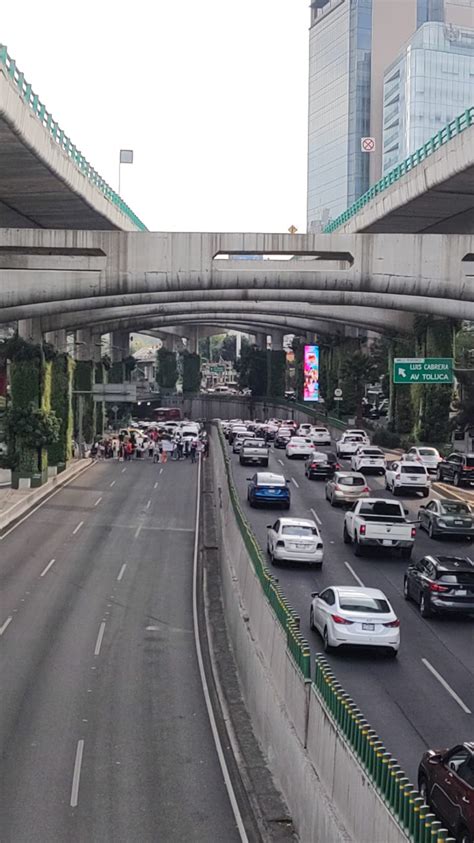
268	488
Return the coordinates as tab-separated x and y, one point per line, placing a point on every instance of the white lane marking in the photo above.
124	470
76	529
446	686
122	571
5	625
351	569
155	485
316	517
48	566
113	483
210	712
98	643
294	481
137	531
42	503
97	501
161	470
148	505
281	462
76	776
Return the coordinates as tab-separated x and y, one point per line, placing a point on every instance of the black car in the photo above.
441	584
281	439
321	466
446	517
446	783
458	469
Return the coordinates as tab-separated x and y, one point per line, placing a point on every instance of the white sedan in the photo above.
429	457
355	615
320	436
407	477
299	447
368	459
304	429
295	540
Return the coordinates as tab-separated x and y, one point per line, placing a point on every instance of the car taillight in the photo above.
397	477
435	587
394	623
366	489
314	465
337	488
337	466
338	619
280	544
362	529
413	532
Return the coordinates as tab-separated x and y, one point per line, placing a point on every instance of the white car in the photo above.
348	444
304	429
429	457
407	476
295	540
368	459
320	436
355	615
239	439
358	432
299	447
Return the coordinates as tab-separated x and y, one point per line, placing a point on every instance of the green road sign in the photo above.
423	370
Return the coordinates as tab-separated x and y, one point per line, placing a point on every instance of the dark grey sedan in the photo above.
447	517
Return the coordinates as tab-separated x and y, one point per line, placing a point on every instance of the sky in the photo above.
210	94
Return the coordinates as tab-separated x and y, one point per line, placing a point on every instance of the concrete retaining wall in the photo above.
327	792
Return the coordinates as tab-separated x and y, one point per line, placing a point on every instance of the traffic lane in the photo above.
391	695
57	704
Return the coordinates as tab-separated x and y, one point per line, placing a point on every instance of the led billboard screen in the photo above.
311	373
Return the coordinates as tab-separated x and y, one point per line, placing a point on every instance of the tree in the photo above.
167	370
355	372
229	348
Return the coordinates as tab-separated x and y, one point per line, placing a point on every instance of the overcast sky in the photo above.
210	94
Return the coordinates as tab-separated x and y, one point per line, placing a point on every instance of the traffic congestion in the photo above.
374	552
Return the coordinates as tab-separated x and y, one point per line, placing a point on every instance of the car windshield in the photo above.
363	603
298	440
391	510
457	578
294	530
413	469
254	443
350	480
428	452
270	480
455	508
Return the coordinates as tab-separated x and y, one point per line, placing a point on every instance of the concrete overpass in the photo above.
45	181
432	191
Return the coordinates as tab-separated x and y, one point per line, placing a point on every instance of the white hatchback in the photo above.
429	457
407	476
295	540
368	459
299	447
320	436
355	615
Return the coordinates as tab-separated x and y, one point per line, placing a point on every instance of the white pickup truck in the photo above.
254	451
381	523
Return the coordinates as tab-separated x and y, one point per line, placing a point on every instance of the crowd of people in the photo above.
155	444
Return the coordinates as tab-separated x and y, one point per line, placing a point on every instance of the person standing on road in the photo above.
156	450
179	448
193	450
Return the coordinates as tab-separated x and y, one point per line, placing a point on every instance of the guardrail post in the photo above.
436	827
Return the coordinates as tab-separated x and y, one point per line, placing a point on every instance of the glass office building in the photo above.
431	83
339	106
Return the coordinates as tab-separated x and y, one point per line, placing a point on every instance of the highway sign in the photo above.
338	393
423	370
367	144
338	398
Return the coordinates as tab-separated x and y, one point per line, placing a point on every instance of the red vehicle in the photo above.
446	783
164	414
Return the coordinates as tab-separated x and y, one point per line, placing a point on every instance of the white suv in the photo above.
368	459
407	476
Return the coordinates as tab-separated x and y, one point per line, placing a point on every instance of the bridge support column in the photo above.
62	377
261	341
58	339
193	339
277	340
30	330
84	379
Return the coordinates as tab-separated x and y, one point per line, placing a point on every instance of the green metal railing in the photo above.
61	139
297	646
455	127
391	783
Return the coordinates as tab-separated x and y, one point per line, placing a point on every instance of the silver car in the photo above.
346	487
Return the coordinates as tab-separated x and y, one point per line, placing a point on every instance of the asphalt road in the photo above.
409	707
103	726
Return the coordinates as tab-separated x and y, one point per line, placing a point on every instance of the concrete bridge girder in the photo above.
433	266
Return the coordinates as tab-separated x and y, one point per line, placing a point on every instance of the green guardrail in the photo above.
61	139
453	128
393	786
289	620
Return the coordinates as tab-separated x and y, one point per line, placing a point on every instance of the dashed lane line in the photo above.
294	481
446	685
48	566
351	569
76	776
98	643
112	483
97	501
316	517
122	571
76	529
5	625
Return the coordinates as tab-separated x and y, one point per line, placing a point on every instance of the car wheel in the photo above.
464	836
426	493
439	475
265	463
386	484
431	531
406	588
391	653
457	479
423	790
311	620
332	501
357	548
395	490
326	645
251	502
345	536
425	609
286	505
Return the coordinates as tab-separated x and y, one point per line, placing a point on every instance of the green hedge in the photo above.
167	369
61	402
277	380
83	383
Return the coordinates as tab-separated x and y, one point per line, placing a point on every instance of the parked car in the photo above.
348	444
254	451
380	523
268	488
368	459
239	439
320	465
441	584
446	783
294	540
355	615
320	436
429	457
298	447
346	487
457	469
447	517
407	477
